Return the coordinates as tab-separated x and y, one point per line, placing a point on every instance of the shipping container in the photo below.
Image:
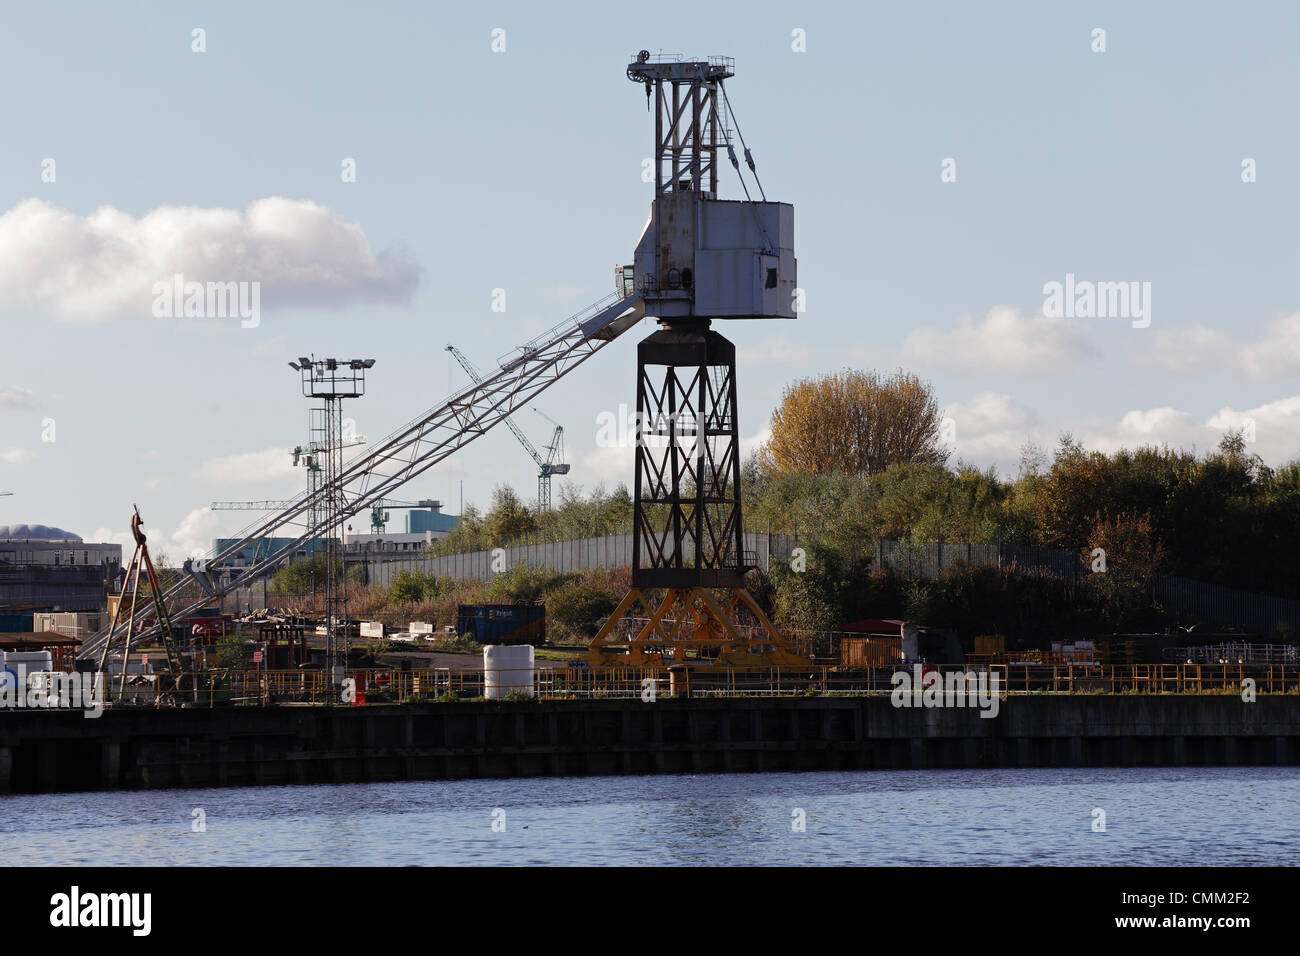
867	652
503	623
15	622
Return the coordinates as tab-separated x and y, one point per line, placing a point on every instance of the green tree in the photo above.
1132	556
508	519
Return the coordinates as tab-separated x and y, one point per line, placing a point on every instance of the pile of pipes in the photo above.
266	616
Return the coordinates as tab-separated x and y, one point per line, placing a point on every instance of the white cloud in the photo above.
774	352
192	537
1197	350
990	429
1276	427
122	538
754	442
986	412
612	464
15	456
1004	342
1276	355
103	266
14	398
270	463
1192	351
1154	426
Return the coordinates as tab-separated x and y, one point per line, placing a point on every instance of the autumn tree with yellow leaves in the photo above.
854	422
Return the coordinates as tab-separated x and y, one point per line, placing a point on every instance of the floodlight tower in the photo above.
333	380
699	258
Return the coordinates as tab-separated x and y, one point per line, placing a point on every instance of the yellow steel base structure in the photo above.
691	626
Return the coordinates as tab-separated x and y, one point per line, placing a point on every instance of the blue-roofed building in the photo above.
261	549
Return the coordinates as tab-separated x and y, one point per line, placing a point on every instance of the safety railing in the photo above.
263	688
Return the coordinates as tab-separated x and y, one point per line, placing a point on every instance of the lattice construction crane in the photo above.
304	456
546	467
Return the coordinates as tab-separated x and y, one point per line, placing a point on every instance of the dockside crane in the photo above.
699	259
379	511
522	374
546	467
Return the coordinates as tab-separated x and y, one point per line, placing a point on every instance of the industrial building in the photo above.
38	545
49	569
383	545
251	551
422	524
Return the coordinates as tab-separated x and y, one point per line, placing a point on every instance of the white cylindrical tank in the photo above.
507	667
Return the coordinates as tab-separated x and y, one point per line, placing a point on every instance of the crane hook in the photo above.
135	527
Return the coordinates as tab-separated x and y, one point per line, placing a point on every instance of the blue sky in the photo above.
521	170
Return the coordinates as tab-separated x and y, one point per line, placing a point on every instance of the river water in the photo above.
1163	816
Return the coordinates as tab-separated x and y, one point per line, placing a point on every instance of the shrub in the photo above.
576	609
415	586
523	584
458	644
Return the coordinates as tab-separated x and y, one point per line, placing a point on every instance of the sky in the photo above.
382	170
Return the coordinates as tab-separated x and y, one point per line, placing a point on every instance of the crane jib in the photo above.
408	452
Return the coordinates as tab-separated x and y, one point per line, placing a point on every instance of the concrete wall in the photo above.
46	751
583	554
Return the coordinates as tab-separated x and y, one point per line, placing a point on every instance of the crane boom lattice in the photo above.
408	452
546	467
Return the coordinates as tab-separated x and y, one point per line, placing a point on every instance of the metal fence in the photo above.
916	559
260	688
929	559
1211	602
1234	652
